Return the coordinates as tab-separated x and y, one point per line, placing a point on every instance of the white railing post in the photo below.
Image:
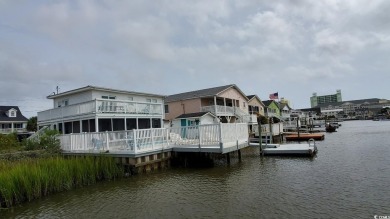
96	106
71	142
199	136
135	140
220	137
107	141
152	137
236	134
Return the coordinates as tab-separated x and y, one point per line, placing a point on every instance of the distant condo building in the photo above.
319	100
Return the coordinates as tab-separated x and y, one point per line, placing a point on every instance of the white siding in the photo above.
208	120
74	98
125	97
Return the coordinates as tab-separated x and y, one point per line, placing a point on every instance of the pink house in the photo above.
227	102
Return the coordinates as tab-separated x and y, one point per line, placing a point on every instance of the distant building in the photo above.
319	100
363	108
12	120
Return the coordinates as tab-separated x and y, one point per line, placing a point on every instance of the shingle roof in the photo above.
282	105
192	115
5	118
209	92
267	102
250	96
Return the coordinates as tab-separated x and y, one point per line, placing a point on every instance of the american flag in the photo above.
274	96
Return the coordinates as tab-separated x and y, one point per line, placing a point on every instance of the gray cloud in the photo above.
295	47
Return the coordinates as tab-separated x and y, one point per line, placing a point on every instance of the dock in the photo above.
148	149
305	149
304	136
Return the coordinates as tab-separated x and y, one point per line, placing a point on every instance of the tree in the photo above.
32	124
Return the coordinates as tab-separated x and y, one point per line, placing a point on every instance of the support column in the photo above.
151	123
81	126
136	121
125	124
12	127
215	104
96	124
224	103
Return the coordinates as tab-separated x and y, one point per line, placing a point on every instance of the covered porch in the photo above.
102	124
228	110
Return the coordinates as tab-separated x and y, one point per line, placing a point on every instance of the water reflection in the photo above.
348	178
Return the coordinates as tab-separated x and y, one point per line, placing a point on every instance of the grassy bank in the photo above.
29	179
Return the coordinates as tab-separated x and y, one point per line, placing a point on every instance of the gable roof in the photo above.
4	118
194	115
282	105
268	102
89	87
208	92
250	97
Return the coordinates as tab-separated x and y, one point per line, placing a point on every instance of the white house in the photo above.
97	109
12	120
192	119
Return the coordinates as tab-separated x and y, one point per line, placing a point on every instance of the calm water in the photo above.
349	178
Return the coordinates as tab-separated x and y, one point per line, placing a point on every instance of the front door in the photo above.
183	127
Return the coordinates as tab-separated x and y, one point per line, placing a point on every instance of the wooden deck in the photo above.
216	138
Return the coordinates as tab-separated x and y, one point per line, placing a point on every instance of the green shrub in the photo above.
9	142
47	141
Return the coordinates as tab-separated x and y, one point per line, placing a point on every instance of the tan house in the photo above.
255	105
227	102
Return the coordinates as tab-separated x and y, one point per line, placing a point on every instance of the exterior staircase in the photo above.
37	134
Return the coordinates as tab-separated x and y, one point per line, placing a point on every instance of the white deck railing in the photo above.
266	129
101	106
148	140
10	130
217	110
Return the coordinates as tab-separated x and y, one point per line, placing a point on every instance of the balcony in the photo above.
10	130
222	110
101	106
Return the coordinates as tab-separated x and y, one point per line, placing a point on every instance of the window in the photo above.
166	108
131	98
154	100
66	102
12	113
109	97
149	100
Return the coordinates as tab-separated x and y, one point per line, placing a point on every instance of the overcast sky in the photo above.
294	47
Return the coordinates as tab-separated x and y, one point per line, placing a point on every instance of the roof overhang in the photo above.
95	88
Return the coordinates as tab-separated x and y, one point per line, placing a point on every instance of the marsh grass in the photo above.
30	179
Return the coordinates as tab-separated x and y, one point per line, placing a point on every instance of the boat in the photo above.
330	127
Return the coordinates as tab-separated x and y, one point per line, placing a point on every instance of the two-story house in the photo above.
97	109
12	120
285	111
227	102
271	108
